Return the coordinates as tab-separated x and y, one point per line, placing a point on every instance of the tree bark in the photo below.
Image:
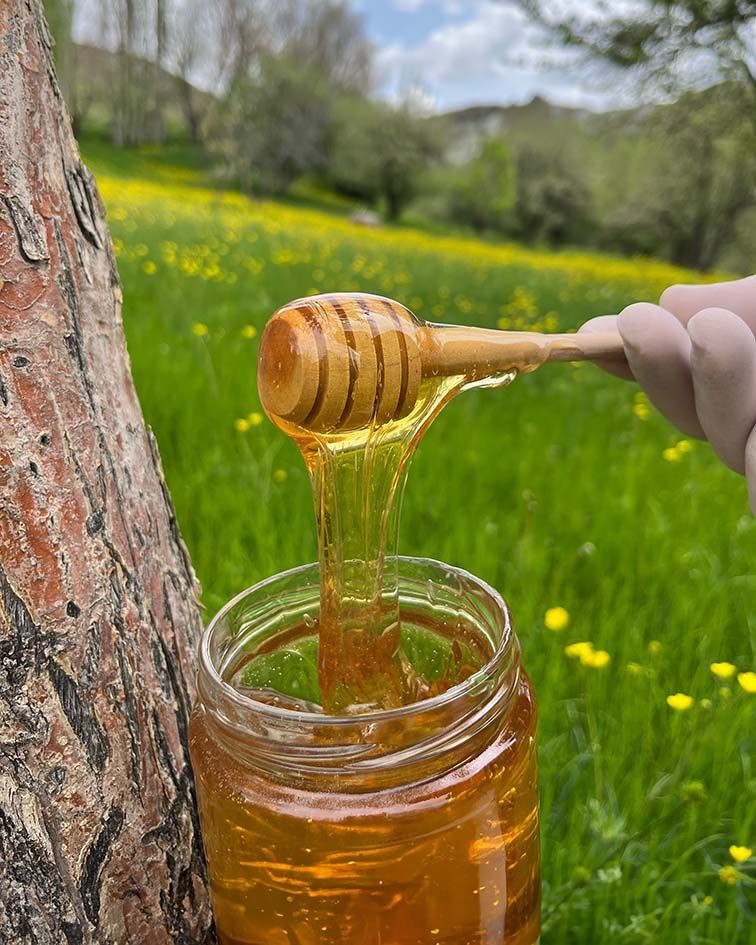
99	620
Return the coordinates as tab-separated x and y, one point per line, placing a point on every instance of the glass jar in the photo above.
410	826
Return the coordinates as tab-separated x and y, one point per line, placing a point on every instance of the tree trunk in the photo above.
99	621
158	90
191	115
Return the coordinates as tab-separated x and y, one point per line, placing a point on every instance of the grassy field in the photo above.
565	490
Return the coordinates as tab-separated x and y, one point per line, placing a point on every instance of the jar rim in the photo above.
506	648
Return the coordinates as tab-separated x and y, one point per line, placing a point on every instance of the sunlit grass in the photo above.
626	552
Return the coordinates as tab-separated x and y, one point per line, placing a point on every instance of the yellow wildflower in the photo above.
680	702
747	681
741	854
641	411
708	900
576	650
280	475
723	670
705	703
249	331
241	425
556	618
255	418
654	648
149	267
672	454
200	328
729	875
684	446
725	692
596	659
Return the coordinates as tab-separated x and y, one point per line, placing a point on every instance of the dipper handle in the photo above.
447	350
337	362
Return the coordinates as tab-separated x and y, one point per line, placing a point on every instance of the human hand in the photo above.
694	354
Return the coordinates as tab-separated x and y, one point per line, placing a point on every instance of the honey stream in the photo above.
428	847
358	478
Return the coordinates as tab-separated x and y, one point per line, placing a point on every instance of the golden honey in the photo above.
358	476
364	738
413	826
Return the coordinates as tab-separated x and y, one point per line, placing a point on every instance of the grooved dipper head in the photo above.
339	362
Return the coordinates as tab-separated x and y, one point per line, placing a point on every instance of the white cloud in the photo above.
460	49
494	55
408	6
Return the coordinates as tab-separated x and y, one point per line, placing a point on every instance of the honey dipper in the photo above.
335	362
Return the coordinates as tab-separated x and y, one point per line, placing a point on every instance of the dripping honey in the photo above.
429	834
419	845
358	475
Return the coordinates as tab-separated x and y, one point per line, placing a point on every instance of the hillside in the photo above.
94	72
466	126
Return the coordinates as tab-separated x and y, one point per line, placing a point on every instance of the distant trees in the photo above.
482	192
295	102
700	177
187	42
290	96
323	35
686	42
287	63
380	152
553	200
136	35
274	124
520	187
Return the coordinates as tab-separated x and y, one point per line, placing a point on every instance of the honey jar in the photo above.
415	825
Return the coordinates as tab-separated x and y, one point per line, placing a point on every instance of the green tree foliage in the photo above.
273	126
482	192
323	35
380	152
287	63
697	189
699	179
685	41
554	201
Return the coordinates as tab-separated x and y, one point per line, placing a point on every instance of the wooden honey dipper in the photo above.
336	362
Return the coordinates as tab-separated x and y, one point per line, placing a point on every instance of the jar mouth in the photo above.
505	653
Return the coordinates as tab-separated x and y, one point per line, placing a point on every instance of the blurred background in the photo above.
519	165
624	126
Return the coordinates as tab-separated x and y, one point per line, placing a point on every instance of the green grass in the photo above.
555	490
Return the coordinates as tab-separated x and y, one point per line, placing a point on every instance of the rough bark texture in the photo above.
99	841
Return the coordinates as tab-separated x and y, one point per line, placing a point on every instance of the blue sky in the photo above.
463	52
452	53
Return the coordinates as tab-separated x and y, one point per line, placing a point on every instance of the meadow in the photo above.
627	553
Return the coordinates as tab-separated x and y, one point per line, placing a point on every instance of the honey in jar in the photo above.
364	738
409	826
